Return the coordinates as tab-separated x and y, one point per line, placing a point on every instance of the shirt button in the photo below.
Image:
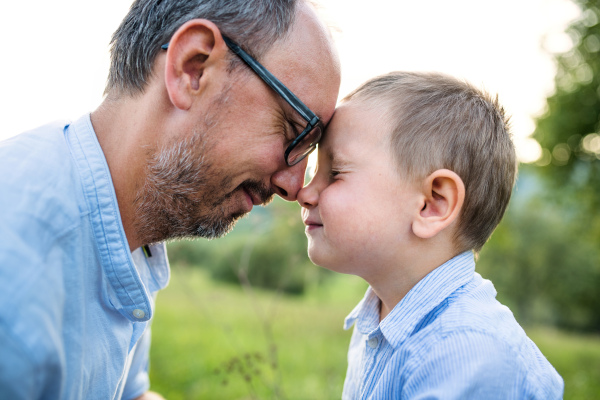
373	342
139	314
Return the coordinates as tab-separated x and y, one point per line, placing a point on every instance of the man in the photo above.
192	133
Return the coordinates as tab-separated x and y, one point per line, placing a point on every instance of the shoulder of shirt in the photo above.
471	311
38	178
35	150
472	316
474	308
493	355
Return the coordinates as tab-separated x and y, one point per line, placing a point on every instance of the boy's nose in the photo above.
308	196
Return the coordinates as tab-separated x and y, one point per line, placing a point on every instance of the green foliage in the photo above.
542	266
569	129
267	249
565	215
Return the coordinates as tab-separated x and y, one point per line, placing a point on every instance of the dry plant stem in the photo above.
224	327
265	321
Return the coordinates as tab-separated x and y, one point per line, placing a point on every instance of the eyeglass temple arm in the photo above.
270	80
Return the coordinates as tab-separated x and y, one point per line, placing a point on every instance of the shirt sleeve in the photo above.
138	381
16	370
30	363
468	365
22	377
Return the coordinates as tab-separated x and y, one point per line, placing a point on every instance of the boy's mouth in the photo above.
310	224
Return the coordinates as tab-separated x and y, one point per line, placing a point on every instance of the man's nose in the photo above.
288	181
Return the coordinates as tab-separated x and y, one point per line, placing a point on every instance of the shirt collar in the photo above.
430	292
112	246
365	314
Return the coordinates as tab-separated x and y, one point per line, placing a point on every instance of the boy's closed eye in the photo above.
334	174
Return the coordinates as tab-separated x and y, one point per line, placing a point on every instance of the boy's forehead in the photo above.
333	147
353	129
332	153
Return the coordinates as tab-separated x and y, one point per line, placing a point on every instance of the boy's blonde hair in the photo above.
440	122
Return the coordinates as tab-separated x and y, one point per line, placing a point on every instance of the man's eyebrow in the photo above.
295	116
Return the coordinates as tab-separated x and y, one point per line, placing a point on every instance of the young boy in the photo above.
413	175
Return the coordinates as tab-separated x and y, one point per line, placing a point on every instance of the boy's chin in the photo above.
313	259
314	256
325	262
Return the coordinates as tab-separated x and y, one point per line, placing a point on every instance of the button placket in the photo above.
371	354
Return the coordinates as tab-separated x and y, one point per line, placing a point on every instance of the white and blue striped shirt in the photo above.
449	338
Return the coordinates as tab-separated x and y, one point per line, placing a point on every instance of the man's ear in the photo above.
195	54
443	195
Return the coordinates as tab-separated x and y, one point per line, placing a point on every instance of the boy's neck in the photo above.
394	282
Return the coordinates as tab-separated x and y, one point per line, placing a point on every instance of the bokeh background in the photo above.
248	316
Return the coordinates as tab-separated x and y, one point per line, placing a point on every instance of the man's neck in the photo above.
120	127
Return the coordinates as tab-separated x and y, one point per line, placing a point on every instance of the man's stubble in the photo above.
183	195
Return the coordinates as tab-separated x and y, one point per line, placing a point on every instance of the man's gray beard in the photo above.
182	196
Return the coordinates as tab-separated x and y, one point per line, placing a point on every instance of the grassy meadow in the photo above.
218	341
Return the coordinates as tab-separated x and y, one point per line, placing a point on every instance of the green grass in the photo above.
216	341
576	357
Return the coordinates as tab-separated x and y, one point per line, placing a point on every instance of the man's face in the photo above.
201	183
184	195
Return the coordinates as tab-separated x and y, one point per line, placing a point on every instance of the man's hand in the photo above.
150	396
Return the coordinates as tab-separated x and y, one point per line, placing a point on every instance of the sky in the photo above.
55	54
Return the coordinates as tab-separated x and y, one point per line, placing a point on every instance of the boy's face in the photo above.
358	209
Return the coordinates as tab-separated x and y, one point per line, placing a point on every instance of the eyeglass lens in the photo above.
305	146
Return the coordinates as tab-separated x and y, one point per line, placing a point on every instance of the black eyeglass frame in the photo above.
313	121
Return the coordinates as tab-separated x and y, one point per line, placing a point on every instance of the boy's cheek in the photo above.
303	213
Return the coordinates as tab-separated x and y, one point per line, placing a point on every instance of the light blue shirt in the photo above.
449	338
75	303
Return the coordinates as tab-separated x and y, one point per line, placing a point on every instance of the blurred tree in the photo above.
569	130
267	249
569	133
542	269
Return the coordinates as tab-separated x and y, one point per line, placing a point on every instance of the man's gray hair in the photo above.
255	24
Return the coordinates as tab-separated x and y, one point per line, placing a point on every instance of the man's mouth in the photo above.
252	198
257	192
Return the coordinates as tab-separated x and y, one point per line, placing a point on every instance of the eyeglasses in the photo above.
305	142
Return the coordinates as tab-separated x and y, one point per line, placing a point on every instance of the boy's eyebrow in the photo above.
328	153
335	158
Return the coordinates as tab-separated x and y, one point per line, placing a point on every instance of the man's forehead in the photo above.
307	63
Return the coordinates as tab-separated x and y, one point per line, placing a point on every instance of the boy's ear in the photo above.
443	195
195	57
